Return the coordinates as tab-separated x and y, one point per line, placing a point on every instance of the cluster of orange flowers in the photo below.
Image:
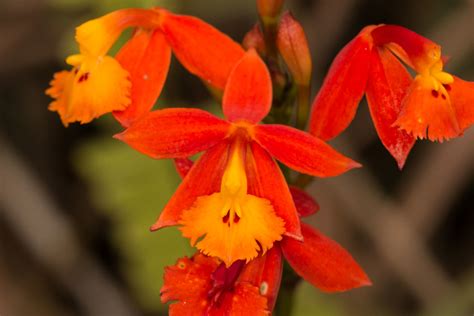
234	203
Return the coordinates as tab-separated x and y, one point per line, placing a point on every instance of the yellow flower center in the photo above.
437	76
231	224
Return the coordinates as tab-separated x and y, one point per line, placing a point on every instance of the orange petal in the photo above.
175	133
462	98
305	204
204	178
202	49
248	93
95	37
95	87
336	102
265	273
322	262
188	278
266	180
427	113
188	282
415	50
146	56
387	86
301	151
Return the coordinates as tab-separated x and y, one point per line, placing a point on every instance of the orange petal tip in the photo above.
298	237
354	165
119	136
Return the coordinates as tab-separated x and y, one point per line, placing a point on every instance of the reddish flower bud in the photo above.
293	47
254	39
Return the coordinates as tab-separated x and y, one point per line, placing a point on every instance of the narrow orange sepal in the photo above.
201	48
387	86
146	56
301	151
336	103
160	134
323	262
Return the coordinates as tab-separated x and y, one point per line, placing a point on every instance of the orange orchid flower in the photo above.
433	105
203	286
130	84
97	83
234	203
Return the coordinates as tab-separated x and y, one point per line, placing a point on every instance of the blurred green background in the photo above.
76	205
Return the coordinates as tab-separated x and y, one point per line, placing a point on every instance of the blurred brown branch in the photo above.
42	228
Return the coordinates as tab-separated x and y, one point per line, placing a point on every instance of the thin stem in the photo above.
285	302
302	101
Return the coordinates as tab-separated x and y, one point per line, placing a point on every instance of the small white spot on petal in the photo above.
263	288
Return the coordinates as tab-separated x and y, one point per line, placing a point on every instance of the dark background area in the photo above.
75	205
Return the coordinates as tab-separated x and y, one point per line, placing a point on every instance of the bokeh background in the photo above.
75	205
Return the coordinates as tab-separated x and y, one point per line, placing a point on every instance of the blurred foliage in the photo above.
311	301
132	189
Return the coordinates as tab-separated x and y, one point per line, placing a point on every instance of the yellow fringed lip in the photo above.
93	87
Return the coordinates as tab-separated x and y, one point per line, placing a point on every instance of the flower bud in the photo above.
293	47
254	39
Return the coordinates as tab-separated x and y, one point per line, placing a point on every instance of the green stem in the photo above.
285	302
302	101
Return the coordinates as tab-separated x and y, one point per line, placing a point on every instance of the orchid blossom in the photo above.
434	105
130	83
234	199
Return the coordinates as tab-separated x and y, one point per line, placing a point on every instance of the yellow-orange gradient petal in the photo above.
427	112
95	37
235	229
92	88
